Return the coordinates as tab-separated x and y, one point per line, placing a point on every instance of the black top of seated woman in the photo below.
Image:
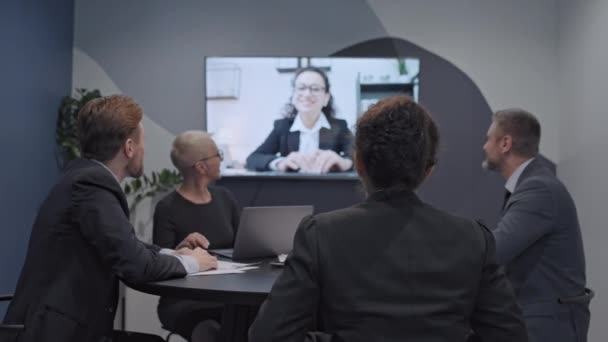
175	217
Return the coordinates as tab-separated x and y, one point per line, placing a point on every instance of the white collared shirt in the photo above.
512	181
309	137
108	169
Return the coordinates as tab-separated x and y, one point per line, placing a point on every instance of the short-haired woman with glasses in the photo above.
309	138
203	216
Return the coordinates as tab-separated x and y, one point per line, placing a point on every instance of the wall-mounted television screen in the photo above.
296	114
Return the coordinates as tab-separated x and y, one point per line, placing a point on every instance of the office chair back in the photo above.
9	332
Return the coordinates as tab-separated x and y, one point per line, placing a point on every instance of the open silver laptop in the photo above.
265	231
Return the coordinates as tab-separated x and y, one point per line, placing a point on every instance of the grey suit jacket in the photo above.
538	239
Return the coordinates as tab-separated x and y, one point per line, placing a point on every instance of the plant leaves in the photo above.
66	130
136	184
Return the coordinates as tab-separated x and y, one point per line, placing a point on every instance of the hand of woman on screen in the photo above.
328	160
194	240
295	161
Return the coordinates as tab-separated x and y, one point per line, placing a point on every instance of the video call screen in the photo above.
252	104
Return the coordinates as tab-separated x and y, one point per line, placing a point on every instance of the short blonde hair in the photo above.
190	147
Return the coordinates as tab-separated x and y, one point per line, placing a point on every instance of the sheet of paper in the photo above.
229	265
224	271
282	257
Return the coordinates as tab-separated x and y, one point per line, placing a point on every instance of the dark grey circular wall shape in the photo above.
458	183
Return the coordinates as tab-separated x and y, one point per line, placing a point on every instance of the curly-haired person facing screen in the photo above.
391	268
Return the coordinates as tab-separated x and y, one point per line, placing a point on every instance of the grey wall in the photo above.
156	55
35	67
508	48
458	183
583	123
154	50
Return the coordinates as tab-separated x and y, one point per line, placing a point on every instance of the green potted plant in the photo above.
66	137
148	186
66	131
402	67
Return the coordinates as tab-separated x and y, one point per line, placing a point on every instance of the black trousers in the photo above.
180	316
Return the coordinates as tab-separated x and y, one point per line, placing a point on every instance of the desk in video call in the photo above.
325	192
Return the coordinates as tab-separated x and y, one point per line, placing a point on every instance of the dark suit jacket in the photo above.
81	244
390	269
280	142
539	241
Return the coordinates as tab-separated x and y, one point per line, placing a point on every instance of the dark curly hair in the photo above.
396	141
290	112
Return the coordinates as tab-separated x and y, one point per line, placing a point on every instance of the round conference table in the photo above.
241	293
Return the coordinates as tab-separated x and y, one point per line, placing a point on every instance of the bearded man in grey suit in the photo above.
538	238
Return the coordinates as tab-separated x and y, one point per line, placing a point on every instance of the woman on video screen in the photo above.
308	138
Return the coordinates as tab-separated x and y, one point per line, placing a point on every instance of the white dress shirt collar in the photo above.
298	125
512	181
108	169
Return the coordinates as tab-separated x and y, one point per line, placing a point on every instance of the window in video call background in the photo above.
245	95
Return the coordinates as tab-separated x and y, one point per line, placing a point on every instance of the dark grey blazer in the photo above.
390	269
81	244
538	239
281	142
